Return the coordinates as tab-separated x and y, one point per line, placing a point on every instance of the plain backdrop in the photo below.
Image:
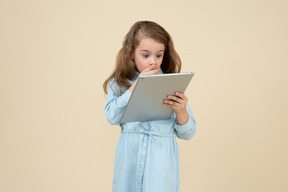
56	54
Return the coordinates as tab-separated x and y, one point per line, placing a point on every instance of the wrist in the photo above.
131	88
181	112
182	116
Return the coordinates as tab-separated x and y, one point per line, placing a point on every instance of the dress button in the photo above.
140	168
144	144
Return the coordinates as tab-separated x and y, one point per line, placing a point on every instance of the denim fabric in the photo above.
147	154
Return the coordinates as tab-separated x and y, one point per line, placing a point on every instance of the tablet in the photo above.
146	100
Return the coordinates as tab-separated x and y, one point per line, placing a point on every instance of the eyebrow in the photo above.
150	52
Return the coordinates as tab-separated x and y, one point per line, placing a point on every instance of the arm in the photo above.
115	104
186	125
186	131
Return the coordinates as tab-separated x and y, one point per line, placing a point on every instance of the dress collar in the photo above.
135	76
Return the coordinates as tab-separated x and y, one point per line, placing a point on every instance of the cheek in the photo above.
141	65
160	62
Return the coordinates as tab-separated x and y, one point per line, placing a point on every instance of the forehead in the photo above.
150	45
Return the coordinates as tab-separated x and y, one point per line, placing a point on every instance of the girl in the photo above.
147	155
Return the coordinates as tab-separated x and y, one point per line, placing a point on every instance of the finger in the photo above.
152	66
181	95
155	71
147	70
150	71
178	99
172	102
174	98
174	105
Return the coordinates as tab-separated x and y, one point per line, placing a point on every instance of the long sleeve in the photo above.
115	104
187	130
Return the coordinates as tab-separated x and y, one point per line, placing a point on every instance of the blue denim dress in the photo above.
147	154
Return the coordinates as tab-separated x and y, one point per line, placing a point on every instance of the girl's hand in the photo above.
178	103
150	70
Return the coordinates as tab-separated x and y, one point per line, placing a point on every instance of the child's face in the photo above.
149	52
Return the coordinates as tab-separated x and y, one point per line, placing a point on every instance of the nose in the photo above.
153	61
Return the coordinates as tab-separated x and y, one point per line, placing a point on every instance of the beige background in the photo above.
55	55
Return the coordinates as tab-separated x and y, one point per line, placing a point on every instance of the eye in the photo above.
145	55
159	56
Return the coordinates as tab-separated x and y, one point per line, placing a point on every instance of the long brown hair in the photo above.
125	67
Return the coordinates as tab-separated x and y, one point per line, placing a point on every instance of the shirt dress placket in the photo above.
143	154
